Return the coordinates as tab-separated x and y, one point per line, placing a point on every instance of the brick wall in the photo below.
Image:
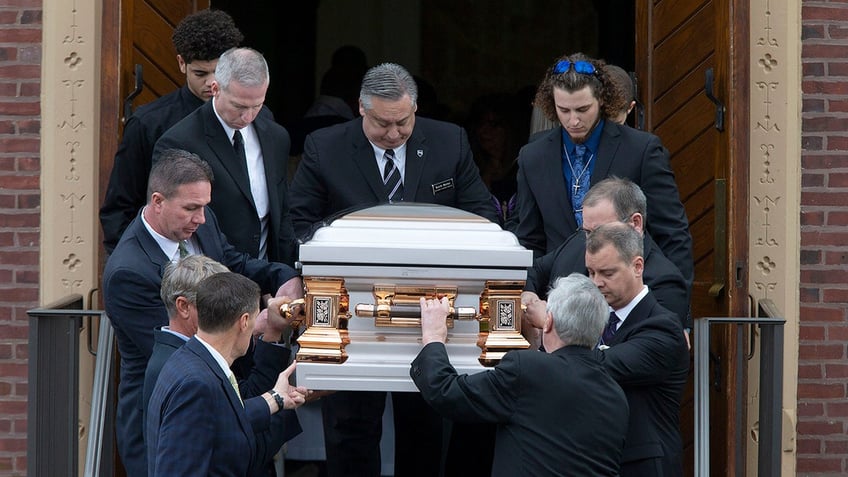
20	85
822	364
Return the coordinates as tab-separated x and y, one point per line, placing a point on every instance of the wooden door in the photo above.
135	32
679	43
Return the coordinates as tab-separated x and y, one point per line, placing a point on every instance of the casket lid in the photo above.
415	234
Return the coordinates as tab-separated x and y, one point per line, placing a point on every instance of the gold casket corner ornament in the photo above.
327	308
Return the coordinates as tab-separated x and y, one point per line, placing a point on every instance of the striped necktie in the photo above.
610	329
181	245
391	178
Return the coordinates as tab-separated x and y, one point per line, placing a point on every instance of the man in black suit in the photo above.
248	152
199	39
556	170
643	349
612	200
198	422
387	155
559	412
174	223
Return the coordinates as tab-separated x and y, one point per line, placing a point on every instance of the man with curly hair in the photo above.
557	169
199	39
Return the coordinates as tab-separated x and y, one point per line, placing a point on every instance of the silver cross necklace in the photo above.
576	177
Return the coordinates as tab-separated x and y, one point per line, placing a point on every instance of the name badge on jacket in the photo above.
442	186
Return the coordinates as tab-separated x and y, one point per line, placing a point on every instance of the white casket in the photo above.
364	272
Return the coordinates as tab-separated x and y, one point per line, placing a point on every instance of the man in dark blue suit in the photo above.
179	293
197	422
558	413
557	169
387	155
643	349
175	222
612	200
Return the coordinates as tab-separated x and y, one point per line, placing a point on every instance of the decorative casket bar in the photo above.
364	274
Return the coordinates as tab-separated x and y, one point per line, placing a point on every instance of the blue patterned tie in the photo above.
610	329
579	181
391	178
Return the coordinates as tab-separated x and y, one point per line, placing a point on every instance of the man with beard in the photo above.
557	169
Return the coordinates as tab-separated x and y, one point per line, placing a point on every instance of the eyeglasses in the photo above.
582	67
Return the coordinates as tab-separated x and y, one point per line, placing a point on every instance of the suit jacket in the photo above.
648	357
196	424
545	213
201	133
339	171
269	360
572	425
662	277
131	282
127	189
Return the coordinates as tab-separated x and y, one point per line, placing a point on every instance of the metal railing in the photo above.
771	386
53	403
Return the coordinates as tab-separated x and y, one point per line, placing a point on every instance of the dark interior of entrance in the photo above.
466	50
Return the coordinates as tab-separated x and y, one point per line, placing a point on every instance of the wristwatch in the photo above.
278	399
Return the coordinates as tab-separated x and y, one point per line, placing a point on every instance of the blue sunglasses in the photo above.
582	67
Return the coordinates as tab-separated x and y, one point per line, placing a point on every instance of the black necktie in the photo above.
391	178
238	145
610	329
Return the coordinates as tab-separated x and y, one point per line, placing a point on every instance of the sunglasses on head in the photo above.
582	67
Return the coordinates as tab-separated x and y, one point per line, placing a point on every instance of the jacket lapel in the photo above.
273	172
641	311
223	151
148	244
200	350
363	157
554	181
416	156
607	148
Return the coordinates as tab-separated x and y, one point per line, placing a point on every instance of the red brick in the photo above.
837	333
809	295
818	161
820	391
821	314
837	179
826	123
31	126
811	257
26	276
834	295
18	258
810	51
812	69
18	294
8	201
809	446
836	409
821	276
10	444
12	407
809	217
820	428
22	352
833	106
31	164
19	144
810	371
836	447
8	17
30	17
825	198
828	14
20	108
837	217
29	239
18	220
13	332
811	143
809	332
6	464
19	182
836	371
817	464
816	351
30	89
814	106
813	180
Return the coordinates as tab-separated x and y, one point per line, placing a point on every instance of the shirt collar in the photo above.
591	144
623	312
400	151
169	247
219	358
167	329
